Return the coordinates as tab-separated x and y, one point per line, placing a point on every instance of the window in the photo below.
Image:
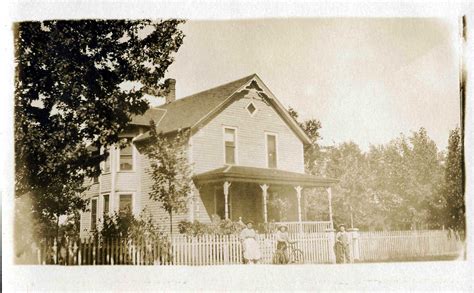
251	109
229	140
95	179
126	157
271	151
106	204
93	214
125	203
107	162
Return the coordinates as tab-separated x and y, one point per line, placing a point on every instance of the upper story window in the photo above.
126	157
94	214
230	145
271	150
107	162
125	203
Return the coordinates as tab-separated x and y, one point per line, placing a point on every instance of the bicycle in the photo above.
293	255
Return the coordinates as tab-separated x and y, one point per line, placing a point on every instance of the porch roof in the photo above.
262	176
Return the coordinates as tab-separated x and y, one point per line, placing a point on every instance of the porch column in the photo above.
330	206
264	188
298	196
226	198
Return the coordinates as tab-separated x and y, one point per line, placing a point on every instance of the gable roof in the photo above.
195	109
185	112
151	114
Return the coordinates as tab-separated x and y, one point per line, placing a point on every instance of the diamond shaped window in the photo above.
251	108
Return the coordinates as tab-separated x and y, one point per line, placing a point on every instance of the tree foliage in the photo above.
399	185
125	225
170	171
77	85
455	208
312	151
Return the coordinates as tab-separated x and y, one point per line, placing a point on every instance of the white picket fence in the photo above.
388	245
317	248
227	249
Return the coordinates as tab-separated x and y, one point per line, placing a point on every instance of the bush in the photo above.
216	227
126	225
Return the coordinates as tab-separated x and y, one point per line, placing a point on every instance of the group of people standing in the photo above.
251	250
252	254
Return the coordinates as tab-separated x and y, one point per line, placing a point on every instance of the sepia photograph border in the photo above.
456	275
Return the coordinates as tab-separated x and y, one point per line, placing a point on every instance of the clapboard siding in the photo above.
208	145
105	182
126	181
200	213
151	206
93	189
206	152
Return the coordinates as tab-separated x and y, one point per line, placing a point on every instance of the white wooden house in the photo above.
244	147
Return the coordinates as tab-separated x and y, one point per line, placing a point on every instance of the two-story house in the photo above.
244	147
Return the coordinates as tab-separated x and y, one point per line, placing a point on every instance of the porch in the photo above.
268	196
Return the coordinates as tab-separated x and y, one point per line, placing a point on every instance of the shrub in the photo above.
126	225
216	227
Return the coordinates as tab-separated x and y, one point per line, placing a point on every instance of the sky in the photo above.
366	79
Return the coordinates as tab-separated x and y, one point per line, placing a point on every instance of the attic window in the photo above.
251	108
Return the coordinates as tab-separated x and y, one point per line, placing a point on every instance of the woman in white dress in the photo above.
249	244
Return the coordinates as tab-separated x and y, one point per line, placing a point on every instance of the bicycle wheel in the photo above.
297	257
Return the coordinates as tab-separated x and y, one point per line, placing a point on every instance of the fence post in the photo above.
331	241
226	249
354	244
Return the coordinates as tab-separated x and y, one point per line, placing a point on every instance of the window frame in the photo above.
106	195
119	157
96	199
108	159
132	194
267	134
236	148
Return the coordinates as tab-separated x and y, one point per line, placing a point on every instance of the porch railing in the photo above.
304	227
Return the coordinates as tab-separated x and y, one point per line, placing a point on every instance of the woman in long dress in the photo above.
249	244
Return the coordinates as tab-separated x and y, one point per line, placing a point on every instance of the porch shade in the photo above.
262	176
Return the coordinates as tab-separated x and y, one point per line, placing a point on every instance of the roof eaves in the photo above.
285	114
218	107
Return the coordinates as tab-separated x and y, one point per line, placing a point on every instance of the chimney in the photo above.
170	85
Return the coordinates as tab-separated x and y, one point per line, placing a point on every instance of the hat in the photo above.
249	222
342	225
282	226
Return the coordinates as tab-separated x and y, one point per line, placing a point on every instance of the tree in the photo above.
405	178
312	152
170	171
77	85
454	179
